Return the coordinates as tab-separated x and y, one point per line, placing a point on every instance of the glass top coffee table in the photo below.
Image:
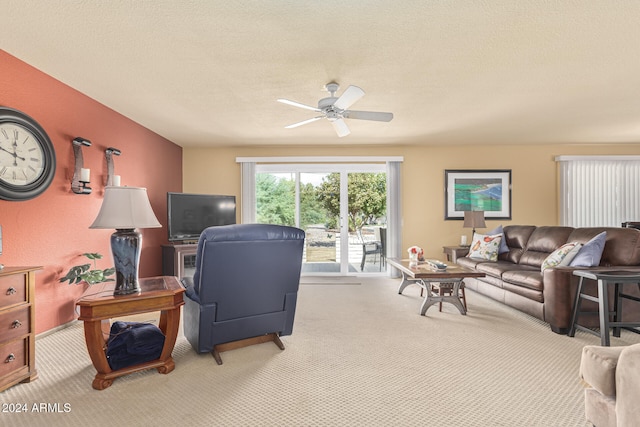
425	277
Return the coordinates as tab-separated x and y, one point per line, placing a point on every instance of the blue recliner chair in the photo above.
245	287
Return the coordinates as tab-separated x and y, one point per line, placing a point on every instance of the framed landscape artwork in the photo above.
477	190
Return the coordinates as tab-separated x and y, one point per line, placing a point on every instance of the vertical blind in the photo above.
599	191
394	213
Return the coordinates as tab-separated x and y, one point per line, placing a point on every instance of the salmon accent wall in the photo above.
52	230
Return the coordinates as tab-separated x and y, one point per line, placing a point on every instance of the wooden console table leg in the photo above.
95	346
169	324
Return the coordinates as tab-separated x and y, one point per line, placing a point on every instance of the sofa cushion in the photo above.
485	246
591	252
561	256
533	295
497	269
470	263
598	367
542	242
516	237
530	278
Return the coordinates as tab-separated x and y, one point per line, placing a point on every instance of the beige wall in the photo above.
534	175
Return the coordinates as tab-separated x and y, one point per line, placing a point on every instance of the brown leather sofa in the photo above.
516	279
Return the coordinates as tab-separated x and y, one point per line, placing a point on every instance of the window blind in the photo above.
599	191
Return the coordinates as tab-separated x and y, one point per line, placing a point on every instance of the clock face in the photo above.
27	158
21	155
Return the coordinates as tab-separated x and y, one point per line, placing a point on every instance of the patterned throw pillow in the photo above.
561	256
485	246
503	243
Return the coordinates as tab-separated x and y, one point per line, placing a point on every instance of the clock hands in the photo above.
14	154
4	149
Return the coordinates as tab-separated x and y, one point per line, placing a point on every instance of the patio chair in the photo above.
377	247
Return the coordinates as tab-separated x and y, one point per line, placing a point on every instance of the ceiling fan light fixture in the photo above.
335	110
332	88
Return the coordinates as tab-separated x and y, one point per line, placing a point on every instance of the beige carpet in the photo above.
359	356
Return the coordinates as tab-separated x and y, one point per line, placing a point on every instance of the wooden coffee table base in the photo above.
430	297
162	294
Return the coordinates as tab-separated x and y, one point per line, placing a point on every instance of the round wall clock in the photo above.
27	157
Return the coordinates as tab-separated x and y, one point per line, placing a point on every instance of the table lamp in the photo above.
473	219
125	209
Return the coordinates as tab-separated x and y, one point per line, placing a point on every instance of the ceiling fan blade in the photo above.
340	127
368	115
349	97
297	104
304	122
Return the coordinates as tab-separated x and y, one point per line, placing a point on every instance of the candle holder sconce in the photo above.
112	180
81	179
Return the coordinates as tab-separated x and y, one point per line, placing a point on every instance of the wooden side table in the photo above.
98	304
604	278
455	252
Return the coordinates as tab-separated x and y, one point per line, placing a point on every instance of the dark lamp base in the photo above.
125	245
124	290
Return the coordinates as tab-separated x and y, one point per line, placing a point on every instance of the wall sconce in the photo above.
112	180
81	176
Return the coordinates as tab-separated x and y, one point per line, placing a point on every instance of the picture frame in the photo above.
487	190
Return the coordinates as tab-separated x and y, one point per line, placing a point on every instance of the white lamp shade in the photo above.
125	208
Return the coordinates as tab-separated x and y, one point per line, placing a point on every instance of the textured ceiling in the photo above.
208	72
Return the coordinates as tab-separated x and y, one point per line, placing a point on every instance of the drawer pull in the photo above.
16	324
10	358
11	291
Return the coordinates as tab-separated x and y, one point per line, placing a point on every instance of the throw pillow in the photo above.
571	255
485	246
503	242
591	252
556	257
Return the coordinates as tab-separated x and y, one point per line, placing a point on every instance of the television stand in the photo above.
179	259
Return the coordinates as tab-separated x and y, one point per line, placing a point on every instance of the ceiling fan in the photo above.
336	110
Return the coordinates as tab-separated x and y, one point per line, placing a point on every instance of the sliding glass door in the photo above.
367	221
341	208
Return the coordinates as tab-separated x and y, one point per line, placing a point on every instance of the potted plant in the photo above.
84	274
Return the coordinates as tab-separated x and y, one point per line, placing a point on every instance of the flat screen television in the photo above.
189	214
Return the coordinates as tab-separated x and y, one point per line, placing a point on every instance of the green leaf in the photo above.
83	273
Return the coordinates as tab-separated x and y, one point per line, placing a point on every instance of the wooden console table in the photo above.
98	303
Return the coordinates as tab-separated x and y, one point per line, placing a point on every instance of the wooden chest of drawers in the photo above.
17	325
